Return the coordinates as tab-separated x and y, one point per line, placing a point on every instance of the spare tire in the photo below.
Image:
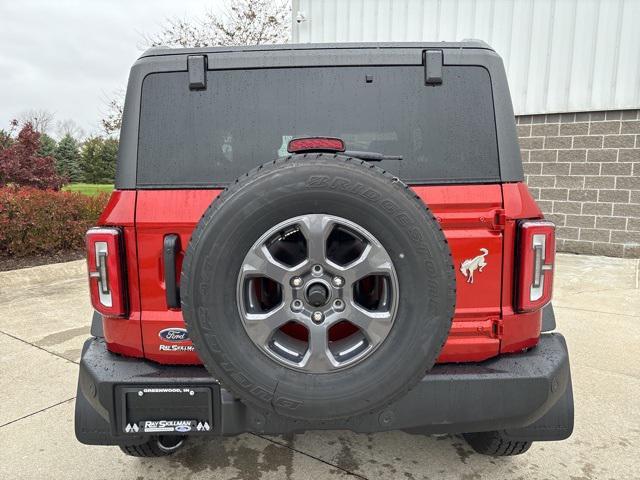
319	287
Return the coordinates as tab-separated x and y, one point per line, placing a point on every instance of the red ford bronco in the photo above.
321	237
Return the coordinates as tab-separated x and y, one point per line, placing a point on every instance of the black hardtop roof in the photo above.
464	44
474	53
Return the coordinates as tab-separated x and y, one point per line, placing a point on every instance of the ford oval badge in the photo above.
174	335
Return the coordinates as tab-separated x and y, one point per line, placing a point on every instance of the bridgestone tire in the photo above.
495	444
347	188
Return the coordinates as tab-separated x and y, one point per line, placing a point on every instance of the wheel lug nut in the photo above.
317	269
317	317
296	305
338	305
338	282
296	282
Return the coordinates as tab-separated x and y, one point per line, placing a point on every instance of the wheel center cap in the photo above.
317	294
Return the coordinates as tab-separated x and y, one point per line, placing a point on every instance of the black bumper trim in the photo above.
548	319
96	325
510	392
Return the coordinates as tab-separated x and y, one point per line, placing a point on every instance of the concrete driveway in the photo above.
44	318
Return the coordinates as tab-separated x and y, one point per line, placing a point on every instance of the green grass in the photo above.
88	188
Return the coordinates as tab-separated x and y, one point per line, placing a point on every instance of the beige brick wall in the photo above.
584	171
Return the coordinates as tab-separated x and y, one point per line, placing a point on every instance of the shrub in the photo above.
36	221
21	164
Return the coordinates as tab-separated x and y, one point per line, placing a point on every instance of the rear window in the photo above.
244	118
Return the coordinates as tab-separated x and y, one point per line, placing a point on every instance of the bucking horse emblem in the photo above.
470	265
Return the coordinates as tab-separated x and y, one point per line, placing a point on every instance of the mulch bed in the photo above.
13	263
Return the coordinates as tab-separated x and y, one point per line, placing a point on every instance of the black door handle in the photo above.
171	249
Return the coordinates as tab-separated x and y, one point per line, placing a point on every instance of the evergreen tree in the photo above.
6	136
109	157
67	157
98	159
47	146
5	139
89	159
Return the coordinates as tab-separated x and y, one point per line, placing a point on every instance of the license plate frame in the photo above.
166	409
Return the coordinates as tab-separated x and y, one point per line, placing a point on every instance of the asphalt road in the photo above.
44	319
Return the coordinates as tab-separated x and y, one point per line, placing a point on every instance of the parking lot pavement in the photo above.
44	318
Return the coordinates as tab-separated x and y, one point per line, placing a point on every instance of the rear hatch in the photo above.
193	142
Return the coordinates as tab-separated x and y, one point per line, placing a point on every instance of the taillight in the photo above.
311	144
106	271
536	251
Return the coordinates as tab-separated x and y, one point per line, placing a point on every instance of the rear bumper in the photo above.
528	395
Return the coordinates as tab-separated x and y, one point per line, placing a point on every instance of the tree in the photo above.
112	121
243	22
20	163
98	159
5	139
47	146
40	120
6	136
67	159
71	128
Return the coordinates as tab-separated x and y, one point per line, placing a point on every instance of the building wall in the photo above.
560	55
584	171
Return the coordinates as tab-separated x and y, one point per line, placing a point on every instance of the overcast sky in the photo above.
69	56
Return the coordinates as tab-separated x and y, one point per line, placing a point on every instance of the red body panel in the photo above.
473	217
466	214
160	212
124	335
518	331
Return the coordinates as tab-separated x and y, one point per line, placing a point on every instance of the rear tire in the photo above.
157	446
495	444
